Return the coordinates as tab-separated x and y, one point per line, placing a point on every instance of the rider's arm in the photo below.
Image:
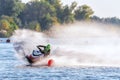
40	48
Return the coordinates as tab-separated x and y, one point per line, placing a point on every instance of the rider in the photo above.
45	50
36	54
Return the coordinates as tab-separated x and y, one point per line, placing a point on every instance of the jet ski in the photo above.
32	58
36	56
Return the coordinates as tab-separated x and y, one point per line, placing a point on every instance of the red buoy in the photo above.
50	62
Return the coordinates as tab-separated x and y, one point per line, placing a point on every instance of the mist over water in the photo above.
84	44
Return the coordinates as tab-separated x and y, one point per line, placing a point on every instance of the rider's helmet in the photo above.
47	48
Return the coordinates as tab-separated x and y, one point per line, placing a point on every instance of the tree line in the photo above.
40	15
109	20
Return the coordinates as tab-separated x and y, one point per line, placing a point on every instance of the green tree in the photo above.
37	27
7	25
109	20
65	13
83	12
39	11
58	10
34	25
11	7
96	18
47	22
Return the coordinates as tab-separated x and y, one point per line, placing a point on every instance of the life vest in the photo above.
36	54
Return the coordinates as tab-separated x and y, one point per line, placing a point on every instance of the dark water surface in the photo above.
12	69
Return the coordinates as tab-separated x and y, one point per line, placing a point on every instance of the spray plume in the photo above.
87	44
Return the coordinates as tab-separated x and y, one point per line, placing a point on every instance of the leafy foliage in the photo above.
83	12
112	20
7	25
40	15
11	7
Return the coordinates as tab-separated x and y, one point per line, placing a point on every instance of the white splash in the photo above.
90	44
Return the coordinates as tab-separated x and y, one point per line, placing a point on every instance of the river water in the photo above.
13	69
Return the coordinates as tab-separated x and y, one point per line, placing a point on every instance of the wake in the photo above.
79	44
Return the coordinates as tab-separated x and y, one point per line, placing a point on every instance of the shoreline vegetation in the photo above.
41	15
